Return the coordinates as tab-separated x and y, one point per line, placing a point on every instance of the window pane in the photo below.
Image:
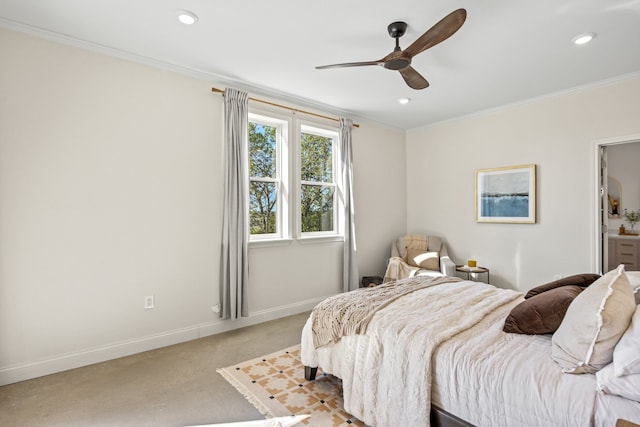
317	208
262	151
316	158
263	207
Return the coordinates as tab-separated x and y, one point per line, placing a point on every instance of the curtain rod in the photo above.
295	110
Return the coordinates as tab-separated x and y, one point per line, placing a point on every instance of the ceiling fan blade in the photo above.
413	78
350	64
441	31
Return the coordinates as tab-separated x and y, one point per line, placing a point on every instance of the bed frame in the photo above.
439	417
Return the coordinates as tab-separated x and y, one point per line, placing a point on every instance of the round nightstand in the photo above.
471	271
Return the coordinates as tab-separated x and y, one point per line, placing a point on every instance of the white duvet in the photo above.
446	344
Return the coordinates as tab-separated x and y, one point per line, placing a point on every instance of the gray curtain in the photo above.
350	261
234	268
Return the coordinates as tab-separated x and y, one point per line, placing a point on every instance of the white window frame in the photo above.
282	175
306	126
288	148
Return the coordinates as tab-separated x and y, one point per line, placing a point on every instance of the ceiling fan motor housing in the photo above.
397	29
397	64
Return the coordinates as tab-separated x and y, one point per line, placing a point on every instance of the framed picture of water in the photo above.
506	195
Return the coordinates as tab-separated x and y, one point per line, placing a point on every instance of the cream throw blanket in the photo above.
387	379
398	269
349	313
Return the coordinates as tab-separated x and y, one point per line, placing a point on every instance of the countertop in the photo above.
622	236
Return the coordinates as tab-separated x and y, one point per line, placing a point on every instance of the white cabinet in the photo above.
624	250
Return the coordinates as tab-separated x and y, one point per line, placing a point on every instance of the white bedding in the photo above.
482	375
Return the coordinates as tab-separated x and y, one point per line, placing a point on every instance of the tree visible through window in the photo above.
317	183
263	172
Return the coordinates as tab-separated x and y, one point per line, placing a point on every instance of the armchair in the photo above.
418	255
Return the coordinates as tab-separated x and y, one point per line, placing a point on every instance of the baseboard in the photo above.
64	362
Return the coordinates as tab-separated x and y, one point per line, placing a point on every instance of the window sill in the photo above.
320	239
265	243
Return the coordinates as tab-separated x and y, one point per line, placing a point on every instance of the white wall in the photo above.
380	195
556	133
110	190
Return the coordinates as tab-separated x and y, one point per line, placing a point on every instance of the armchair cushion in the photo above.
429	260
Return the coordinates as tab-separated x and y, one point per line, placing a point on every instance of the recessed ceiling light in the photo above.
404	100
187	17
583	38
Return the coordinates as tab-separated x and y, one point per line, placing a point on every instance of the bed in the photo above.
438	355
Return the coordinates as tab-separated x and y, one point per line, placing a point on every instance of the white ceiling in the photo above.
507	50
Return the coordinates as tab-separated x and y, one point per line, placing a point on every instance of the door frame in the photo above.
599	231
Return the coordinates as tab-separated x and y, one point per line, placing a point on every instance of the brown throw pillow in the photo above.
582	280
542	313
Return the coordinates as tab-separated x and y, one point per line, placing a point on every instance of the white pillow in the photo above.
593	324
634	280
626	355
627	386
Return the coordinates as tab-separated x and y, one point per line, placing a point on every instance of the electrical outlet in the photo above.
148	302
557	276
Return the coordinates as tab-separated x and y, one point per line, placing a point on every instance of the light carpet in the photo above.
276	386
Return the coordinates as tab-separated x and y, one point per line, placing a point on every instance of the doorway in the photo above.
617	187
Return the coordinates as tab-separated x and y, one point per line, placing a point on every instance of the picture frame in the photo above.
506	194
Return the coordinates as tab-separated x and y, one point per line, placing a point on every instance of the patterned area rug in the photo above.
275	385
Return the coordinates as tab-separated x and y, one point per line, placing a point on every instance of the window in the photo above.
267	146
308	166
317	183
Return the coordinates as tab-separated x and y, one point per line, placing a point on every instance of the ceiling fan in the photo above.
400	60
